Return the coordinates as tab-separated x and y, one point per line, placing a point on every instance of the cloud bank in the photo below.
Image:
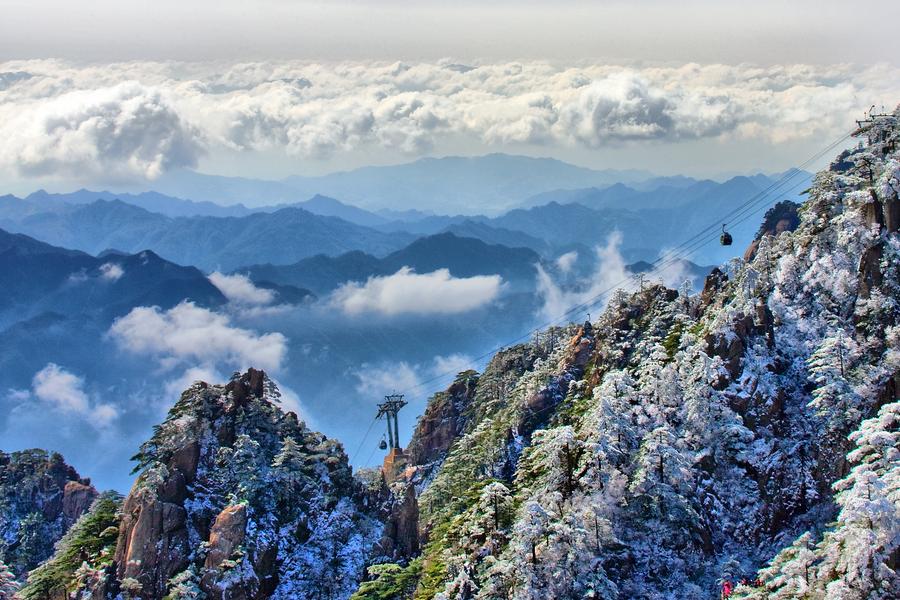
123	131
140	119
408	292
387	377
194	336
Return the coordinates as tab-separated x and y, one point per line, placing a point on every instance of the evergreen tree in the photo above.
855	557
8	584
834	398
791	572
185	586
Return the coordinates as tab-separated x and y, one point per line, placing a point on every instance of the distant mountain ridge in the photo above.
463	257
474	184
38	278
170	206
224	243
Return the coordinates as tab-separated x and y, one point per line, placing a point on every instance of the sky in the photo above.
109	93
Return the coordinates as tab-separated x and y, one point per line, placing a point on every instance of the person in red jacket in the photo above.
727	589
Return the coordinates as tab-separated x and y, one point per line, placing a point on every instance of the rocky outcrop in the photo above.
77	499
715	282
401	523
870	275
778	219
892	214
239	499
443	420
42	498
153	540
225	537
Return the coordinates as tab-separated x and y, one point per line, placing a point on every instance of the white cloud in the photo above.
123	131
111	271
610	273
240	290
191	335
379	379
452	363
407	292
567	261
64	391
386	378
61	117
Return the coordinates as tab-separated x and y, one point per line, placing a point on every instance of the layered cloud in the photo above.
198	338
140	119
408	292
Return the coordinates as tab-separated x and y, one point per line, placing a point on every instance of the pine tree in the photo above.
246	467
856	555
611	419
557	458
489	518
791	572
8	584
834	398
185	586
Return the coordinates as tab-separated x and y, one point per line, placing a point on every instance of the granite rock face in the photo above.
42	497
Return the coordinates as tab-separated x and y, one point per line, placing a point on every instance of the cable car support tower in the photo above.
395	461
388	410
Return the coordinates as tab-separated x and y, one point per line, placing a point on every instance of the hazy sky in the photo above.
762	31
94	93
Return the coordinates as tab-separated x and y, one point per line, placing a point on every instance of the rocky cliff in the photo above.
41	497
235	499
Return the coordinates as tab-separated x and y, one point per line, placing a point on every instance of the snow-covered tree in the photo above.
855	557
791	572
8	584
834	397
185	586
557	457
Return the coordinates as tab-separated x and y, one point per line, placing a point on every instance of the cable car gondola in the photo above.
382	445
725	238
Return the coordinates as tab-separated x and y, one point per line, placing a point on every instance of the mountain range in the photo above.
454	184
40	278
740	443
223	243
463	257
229	237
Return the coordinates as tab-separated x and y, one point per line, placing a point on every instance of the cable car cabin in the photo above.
382	445
725	238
